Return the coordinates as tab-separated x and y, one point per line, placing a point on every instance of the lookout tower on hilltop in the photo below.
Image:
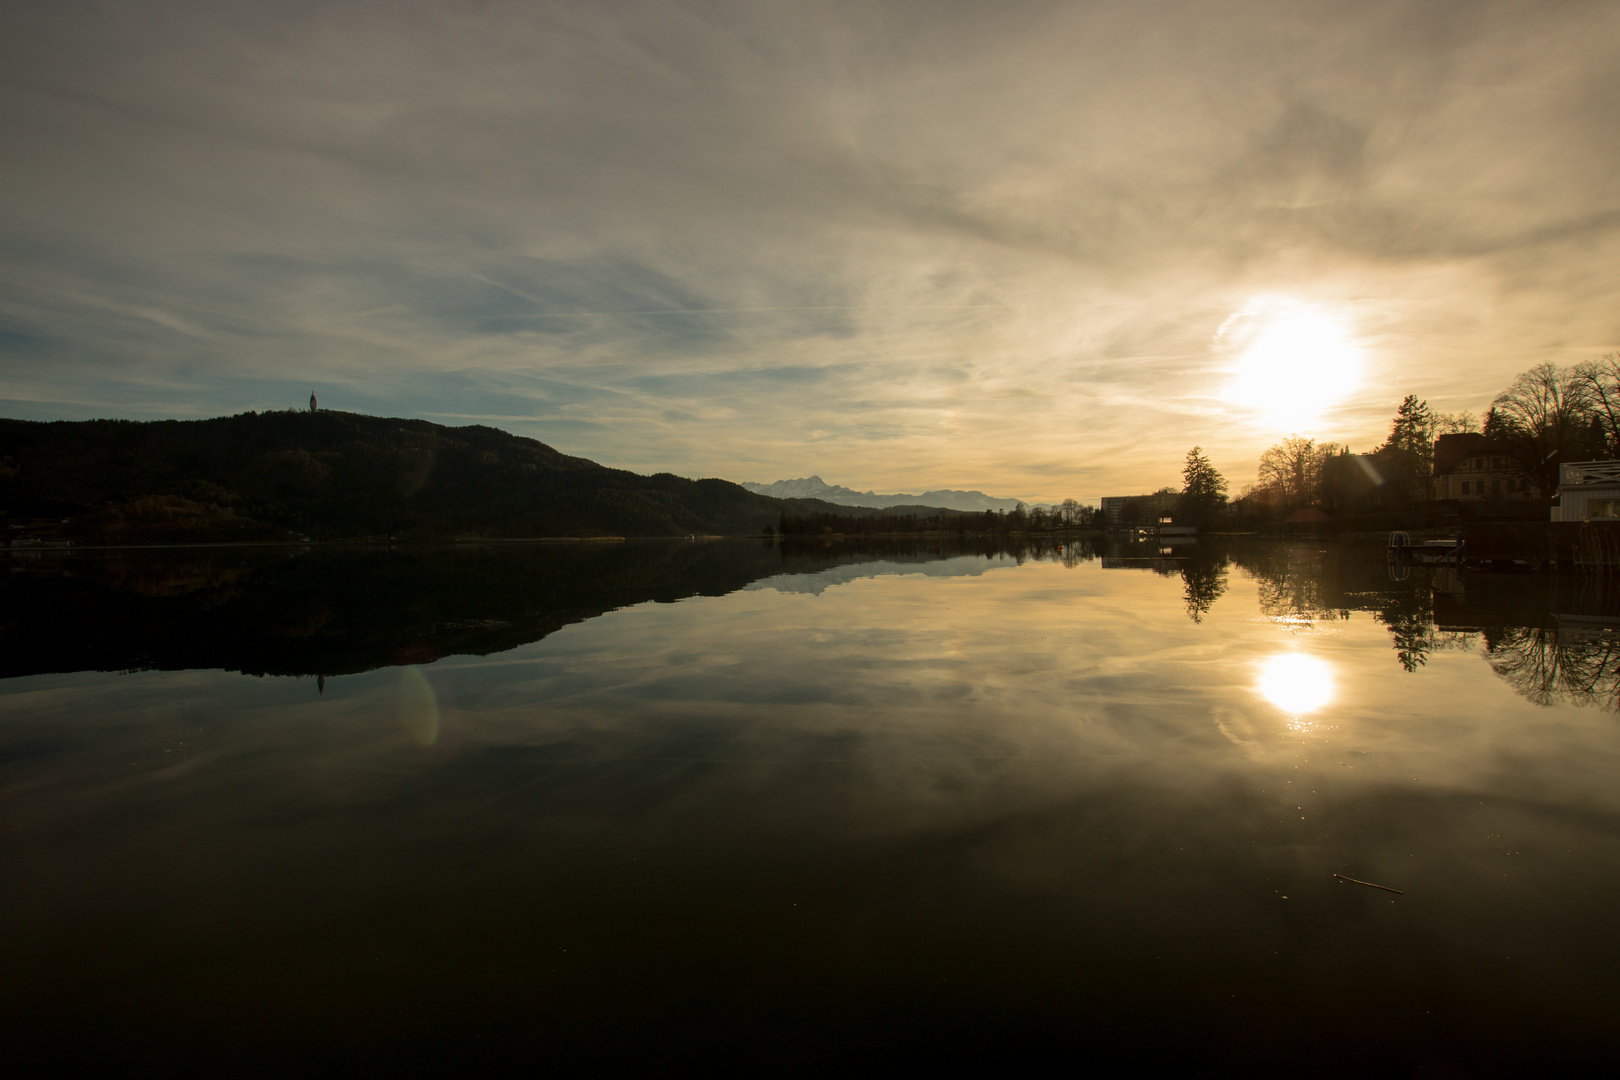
312	401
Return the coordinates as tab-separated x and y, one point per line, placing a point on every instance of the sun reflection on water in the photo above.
1296	683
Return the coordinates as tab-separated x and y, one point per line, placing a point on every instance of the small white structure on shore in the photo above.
1588	491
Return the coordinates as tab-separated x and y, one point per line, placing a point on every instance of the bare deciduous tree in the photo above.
1291	471
1454	423
1545	418
1602	379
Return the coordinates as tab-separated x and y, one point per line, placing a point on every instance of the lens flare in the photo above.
1296	683
418	706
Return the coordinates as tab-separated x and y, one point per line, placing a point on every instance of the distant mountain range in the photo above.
813	487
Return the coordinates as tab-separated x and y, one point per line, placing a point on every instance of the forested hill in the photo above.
336	475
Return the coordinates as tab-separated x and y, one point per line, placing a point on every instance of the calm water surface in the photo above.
631	804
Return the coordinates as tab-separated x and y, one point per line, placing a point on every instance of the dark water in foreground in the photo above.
636	804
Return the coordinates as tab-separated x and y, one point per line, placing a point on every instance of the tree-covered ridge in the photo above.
335	475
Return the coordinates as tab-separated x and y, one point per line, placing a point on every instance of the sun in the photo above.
1290	361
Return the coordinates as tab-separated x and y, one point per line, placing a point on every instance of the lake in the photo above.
616	806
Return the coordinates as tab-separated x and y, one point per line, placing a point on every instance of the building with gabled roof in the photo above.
1469	467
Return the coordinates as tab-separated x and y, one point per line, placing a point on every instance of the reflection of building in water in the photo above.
1469	467
1587	629
1448	579
1588	491
1139	509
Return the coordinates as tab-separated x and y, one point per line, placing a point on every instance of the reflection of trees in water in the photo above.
1070	551
1409	617
1411	633
1203	581
1303	585
1201	566
1414	637
1295	585
1541	667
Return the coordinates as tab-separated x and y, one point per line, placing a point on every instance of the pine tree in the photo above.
1203	490
1412	431
1409	454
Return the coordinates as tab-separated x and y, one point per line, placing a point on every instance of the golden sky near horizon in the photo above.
1035	249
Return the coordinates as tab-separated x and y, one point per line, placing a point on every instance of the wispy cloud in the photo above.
900	245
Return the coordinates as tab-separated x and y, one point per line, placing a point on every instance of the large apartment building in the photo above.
1138	509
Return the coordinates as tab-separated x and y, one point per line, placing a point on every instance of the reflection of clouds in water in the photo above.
957	687
902	705
1035	747
1043	674
1240	729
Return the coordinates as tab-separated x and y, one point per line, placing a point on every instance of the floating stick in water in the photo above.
1370	885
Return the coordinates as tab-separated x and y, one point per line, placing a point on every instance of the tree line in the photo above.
1068	515
1546	417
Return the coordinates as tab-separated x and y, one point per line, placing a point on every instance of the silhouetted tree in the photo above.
1602	380
1493	428
1203	490
1544	419
1407	457
1291	471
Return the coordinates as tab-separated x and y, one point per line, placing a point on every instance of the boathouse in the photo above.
1588	491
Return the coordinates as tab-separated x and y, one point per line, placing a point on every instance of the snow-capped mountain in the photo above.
813	487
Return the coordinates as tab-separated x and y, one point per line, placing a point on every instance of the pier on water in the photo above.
1560	546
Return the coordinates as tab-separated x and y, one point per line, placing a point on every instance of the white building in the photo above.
1588	491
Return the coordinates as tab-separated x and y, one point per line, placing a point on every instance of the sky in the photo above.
1036	249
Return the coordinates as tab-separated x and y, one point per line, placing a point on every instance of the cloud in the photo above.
903	246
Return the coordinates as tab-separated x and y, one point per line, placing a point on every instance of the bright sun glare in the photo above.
1293	360
1295	683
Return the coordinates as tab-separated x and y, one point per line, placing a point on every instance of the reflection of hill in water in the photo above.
291	611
